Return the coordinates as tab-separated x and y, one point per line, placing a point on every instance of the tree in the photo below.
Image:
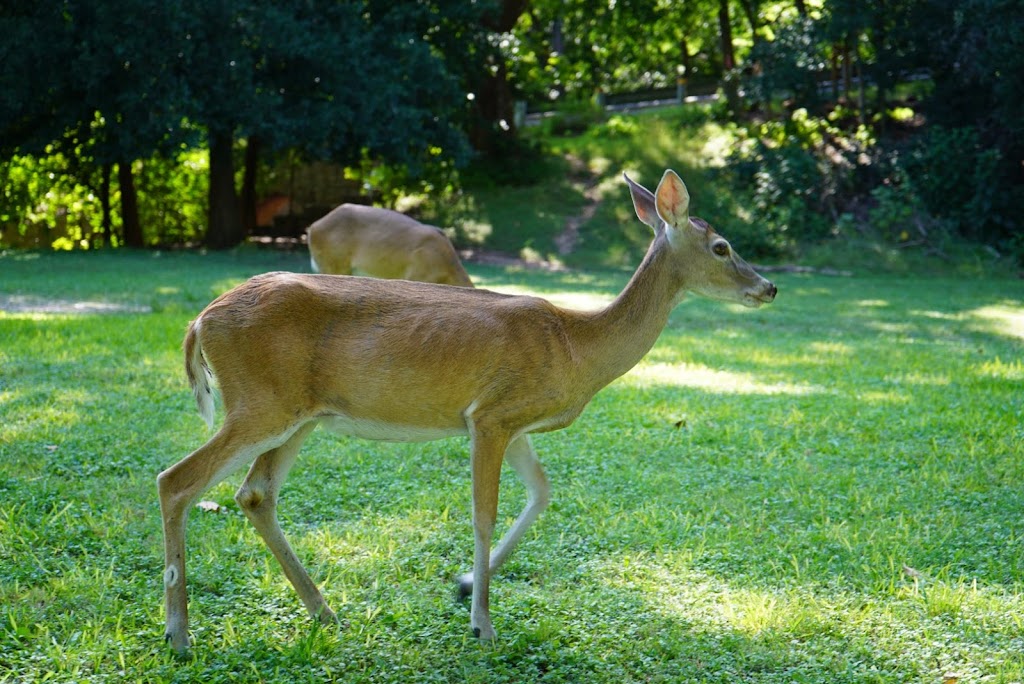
334	80
575	48
493	102
103	92
732	91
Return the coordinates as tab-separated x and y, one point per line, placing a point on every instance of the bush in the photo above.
573	118
516	161
794	172
957	178
788	65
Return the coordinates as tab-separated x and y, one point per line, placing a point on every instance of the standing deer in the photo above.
382	243
408	361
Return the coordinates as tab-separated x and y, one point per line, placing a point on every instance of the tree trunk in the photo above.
495	108
130	224
225	220
684	49
104	193
834	61
861	85
751	12
252	161
801	8
731	87
683	76
725	33
847	71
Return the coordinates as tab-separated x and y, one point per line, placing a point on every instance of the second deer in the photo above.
406	361
356	239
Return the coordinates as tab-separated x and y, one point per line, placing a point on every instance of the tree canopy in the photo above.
142	88
333	80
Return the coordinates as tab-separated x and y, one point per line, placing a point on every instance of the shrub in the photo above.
794	172
574	117
788	65
958	178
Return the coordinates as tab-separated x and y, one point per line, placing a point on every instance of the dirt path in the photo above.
567	240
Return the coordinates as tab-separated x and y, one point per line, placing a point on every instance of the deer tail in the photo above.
198	373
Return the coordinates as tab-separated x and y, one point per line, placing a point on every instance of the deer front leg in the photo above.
523	459
487	454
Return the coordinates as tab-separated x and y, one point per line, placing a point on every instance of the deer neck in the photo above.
617	337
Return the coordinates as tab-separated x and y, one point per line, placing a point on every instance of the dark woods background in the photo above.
141	124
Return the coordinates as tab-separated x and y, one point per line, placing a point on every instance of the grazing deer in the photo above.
408	361
382	243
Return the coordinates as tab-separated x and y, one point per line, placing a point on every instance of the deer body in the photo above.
356	239
407	361
416	336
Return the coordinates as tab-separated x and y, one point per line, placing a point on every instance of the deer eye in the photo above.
720	248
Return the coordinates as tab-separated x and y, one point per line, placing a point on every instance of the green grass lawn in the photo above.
829	489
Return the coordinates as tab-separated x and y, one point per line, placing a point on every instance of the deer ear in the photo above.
673	200
643	202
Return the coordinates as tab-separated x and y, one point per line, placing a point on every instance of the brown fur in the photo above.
356	239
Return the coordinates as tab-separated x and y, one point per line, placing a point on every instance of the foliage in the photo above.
963	167
42	197
823	491
172	198
386	89
794	172
788	66
572	117
137	80
965	192
520	161
575	49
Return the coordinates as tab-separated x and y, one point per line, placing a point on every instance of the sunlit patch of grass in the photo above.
709	380
1006	320
1008	370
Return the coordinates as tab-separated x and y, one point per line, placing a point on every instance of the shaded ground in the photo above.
30	304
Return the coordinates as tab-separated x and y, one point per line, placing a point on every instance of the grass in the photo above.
824	490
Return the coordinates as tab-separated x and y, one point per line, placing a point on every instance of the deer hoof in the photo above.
464	588
484	633
179	646
326	616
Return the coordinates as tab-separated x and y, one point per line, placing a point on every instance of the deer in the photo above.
400	360
372	241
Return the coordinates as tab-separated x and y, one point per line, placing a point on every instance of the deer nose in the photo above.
772	291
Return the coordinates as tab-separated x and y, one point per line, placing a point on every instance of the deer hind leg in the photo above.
523	459
257	497
179	487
